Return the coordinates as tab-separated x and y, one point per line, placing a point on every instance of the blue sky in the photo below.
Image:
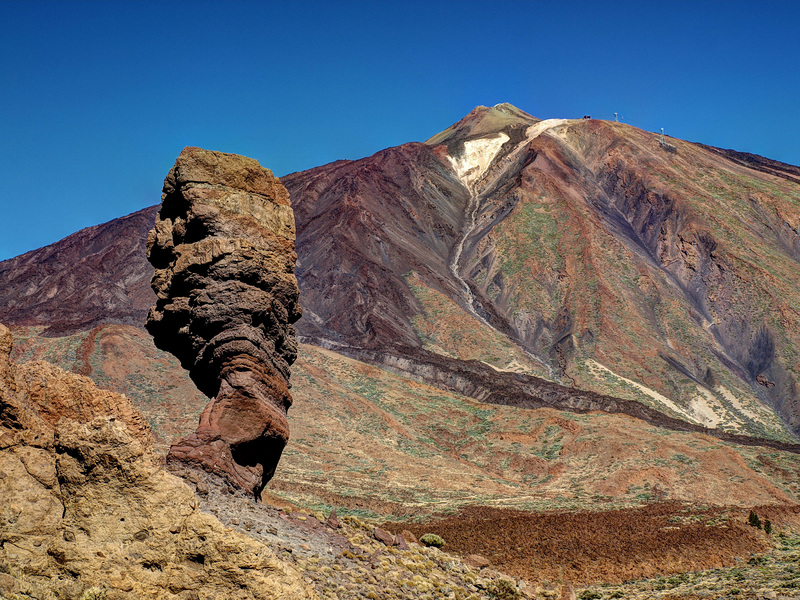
98	98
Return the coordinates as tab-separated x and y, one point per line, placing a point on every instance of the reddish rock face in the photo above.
223	252
95	276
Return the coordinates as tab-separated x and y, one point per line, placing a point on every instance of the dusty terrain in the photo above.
603	547
372	443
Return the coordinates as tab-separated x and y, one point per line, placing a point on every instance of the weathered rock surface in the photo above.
86	505
223	250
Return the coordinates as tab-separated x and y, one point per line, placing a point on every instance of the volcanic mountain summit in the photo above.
588	252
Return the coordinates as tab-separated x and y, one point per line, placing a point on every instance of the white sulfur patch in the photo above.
702	406
474	161
767	417
477	156
539	128
597	369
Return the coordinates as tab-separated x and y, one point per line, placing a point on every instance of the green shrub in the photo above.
767	526
503	589
589	595
753	520
431	539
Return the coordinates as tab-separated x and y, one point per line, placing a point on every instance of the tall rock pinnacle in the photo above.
223	252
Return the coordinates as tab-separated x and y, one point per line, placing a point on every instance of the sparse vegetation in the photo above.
503	589
431	539
753	520
93	593
763	575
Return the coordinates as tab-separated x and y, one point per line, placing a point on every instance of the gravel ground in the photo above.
342	559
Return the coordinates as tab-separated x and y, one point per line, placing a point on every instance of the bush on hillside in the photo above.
753	520
503	589
431	539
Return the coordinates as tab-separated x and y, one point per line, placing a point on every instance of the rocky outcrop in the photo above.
223	250
87	511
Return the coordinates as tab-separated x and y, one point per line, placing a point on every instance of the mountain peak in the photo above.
483	120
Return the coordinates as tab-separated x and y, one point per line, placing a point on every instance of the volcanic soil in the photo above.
615	546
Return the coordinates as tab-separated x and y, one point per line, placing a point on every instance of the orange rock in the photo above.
383	536
476	561
409	537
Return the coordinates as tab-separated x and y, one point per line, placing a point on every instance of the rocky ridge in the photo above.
223	252
97	275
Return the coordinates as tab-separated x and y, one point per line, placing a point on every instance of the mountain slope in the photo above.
503	250
453	292
370	441
97	275
590	252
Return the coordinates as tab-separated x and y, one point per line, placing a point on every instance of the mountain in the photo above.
591	253
541	315
94	276
576	264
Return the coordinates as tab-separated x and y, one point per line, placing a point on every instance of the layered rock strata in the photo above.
86	510
223	252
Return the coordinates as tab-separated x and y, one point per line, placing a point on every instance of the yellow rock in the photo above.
86	506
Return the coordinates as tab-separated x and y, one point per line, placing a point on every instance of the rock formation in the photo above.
223	252
87	512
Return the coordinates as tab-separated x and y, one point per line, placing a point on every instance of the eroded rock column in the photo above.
223	250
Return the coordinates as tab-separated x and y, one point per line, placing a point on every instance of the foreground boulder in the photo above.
87	511
223	250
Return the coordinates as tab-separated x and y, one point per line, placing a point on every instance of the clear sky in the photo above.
98	98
